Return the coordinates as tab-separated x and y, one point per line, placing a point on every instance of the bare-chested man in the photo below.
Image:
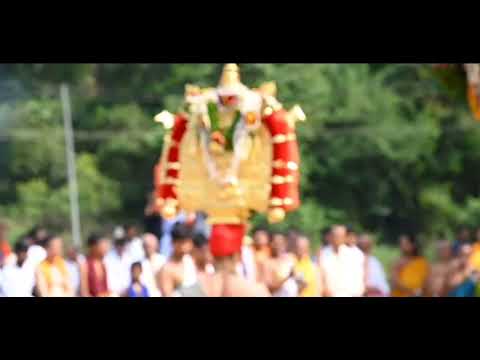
261	248
226	282
179	272
226	247
439	271
204	264
280	277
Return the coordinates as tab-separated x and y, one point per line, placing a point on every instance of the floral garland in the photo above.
213	139
231	176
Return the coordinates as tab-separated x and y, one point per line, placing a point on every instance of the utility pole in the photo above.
71	167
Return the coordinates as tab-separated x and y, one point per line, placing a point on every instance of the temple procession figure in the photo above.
231	152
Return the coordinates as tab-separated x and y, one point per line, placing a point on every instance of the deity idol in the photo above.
232	151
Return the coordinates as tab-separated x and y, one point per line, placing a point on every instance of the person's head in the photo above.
191	218
302	246
409	245
150	244
261	238
201	251
351	239
136	271
365	243
39	235
118	233
464	253
181	239
278	244
326	234
444	250
130	231
98	245
477	234
54	246
21	250
463	234
292	235
338	235
465	250
120	245
72	253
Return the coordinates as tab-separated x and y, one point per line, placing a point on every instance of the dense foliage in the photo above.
386	148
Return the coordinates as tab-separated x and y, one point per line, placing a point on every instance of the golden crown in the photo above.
230	75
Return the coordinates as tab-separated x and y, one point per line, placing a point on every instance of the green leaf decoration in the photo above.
231	130
214	118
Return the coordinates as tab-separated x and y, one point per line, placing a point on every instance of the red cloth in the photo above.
5	248
287	151
167	191
226	239
97	285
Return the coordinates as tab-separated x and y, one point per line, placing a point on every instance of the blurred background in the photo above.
387	148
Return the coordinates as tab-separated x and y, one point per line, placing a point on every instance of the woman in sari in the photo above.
410	272
462	277
53	278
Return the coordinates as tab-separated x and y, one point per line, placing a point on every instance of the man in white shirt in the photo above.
342	266
18	279
376	280
134	243
36	251
352	242
118	263
73	261
151	264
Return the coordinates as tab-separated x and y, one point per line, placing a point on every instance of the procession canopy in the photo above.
229	152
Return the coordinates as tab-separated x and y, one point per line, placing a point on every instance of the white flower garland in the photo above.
231	177
249	102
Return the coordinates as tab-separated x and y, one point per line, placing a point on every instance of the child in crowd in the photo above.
137	289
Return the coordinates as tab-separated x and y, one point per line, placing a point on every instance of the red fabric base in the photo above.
226	240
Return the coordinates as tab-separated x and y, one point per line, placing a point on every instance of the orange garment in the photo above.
309	272
5	248
56	276
474	259
474	101
412	276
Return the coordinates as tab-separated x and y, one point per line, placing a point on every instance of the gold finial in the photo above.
230	75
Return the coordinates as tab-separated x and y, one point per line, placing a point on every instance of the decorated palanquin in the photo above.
461	76
232	151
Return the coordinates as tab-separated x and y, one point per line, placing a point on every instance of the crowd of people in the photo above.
174	260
